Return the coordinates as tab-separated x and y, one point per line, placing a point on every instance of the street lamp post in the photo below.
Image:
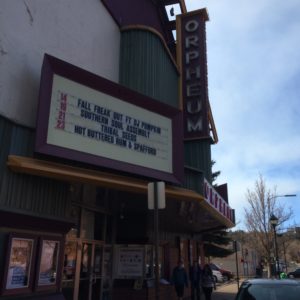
283	196
284	253
274	223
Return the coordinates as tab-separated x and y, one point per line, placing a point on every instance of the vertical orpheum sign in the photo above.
192	60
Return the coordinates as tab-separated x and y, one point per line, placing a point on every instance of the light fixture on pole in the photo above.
282	196
274	223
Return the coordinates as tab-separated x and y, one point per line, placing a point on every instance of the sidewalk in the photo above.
225	292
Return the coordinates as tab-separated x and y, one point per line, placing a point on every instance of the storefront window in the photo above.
48	264
20	262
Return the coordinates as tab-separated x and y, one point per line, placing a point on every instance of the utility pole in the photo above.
236	263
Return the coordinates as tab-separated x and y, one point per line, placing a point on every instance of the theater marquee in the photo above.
87	118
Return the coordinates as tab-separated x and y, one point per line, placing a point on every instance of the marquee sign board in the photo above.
87	118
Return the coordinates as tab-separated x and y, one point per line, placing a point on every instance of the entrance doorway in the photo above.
90	271
86	265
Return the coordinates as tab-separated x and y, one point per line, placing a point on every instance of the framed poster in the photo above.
48	262
130	262
20	262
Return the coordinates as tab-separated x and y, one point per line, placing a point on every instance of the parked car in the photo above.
294	274
217	276
227	275
269	289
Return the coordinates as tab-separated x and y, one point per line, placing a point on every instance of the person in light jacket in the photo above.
207	282
179	279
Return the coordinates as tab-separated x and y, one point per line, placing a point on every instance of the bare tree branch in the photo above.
263	202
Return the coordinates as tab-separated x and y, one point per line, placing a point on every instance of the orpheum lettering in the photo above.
193	88
216	201
194	75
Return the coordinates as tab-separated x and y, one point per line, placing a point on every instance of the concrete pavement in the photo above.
226	291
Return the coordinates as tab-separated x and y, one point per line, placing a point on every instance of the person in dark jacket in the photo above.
179	279
195	279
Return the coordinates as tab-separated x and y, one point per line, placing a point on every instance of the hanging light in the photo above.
273	221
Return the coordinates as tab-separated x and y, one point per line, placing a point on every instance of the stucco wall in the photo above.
78	31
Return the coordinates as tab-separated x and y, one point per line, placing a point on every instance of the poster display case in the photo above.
48	263
19	265
32	264
20	262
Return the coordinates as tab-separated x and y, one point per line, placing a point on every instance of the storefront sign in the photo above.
130	262
217	202
191	48
91	119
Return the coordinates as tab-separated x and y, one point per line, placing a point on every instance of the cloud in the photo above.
254	87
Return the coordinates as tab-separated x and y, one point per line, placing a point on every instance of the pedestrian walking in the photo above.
179	279
207	282
195	280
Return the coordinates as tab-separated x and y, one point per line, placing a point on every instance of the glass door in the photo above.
69	271
107	273
86	272
82	278
96	288
90	280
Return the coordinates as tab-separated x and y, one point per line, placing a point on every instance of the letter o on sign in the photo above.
191	26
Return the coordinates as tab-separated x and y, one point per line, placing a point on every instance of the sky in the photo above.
253	49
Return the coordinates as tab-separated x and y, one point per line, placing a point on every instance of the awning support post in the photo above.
156	241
